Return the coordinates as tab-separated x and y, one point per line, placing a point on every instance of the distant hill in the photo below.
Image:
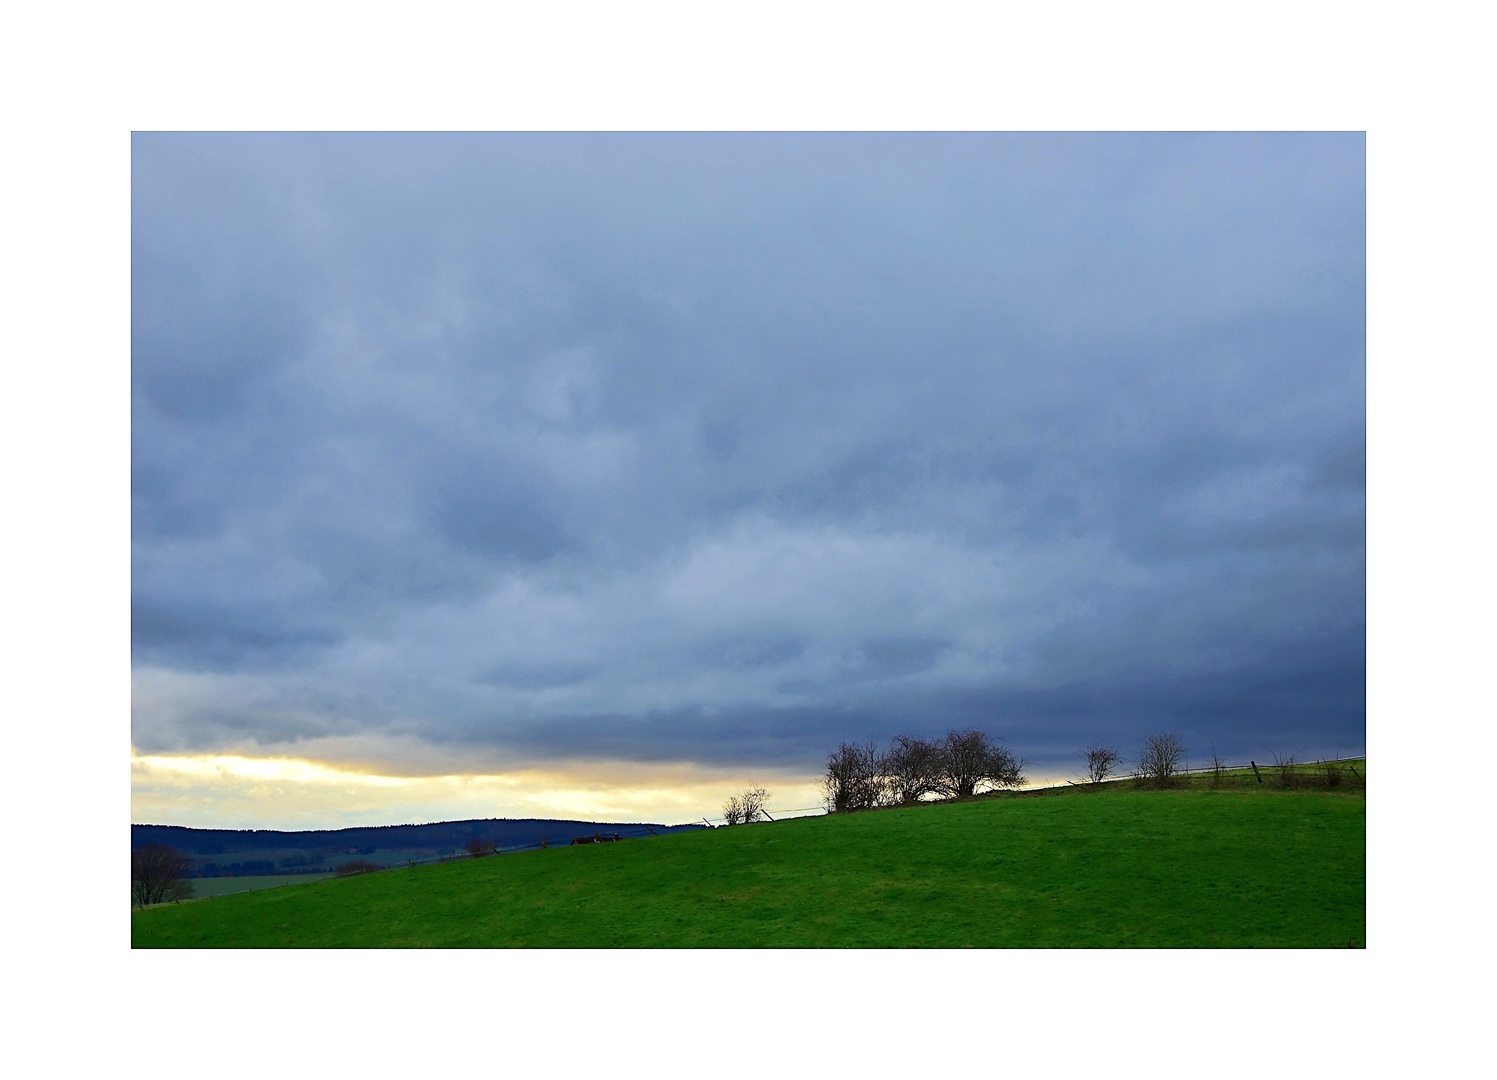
234	852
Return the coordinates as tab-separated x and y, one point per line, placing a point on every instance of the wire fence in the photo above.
1275	765
772	815
1247	766
1205	770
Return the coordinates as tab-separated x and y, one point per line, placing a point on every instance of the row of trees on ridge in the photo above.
1158	764
862	776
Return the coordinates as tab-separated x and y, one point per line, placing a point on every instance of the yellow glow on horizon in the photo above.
243	791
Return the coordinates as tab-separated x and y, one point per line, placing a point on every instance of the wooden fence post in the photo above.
1256	773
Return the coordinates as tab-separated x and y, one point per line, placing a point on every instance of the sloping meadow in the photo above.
1112	867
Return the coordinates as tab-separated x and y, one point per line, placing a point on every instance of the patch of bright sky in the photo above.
235	791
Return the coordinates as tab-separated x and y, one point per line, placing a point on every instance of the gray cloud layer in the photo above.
724	448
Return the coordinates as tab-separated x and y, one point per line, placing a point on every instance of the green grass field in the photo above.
1114	867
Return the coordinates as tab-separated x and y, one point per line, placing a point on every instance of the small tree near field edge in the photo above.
159	874
912	769
854	779
1101	761
1161	758
746	807
970	761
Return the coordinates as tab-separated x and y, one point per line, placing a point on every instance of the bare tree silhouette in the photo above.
159	873
912	768
854	778
1160	760
970	761
1101	761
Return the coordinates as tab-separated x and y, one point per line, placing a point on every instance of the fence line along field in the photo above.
1237	864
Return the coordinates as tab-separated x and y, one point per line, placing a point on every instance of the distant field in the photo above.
1243	866
225	886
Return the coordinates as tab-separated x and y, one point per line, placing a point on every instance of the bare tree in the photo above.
969	761
1160	760
1101	761
478	848
912	768
159	873
1285	764
854	778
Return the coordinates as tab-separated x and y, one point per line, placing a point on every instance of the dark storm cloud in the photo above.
1309	704
723	447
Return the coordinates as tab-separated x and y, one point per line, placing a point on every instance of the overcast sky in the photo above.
479	453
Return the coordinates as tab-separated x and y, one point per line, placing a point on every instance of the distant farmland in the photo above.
227	886
1240	865
270	857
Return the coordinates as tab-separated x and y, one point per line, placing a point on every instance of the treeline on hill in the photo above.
863	776
259	867
866	776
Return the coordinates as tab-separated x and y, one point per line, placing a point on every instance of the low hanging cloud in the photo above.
497	451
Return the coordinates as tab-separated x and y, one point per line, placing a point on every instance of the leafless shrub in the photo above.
357	866
1331	773
1101	761
1218	768
755	799
969	761
478	848
912	769
1284	763
1160	760
854	779
733	811
745	807
159	873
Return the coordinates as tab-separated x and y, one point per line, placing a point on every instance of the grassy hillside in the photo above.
1115	867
